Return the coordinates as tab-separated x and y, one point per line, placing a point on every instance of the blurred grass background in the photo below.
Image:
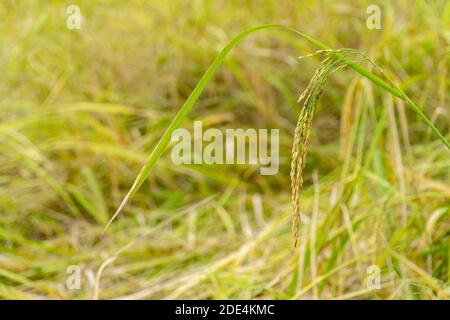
80	110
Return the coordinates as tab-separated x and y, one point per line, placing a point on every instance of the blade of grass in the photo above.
181	115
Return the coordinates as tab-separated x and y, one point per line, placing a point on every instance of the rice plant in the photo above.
311	96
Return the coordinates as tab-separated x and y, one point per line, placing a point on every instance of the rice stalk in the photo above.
303	134
336	60
310	98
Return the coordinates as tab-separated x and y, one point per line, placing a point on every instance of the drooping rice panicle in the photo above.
310	98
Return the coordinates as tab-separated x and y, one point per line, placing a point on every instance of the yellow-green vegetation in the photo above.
82	110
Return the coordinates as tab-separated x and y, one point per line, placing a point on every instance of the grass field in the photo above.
81	111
